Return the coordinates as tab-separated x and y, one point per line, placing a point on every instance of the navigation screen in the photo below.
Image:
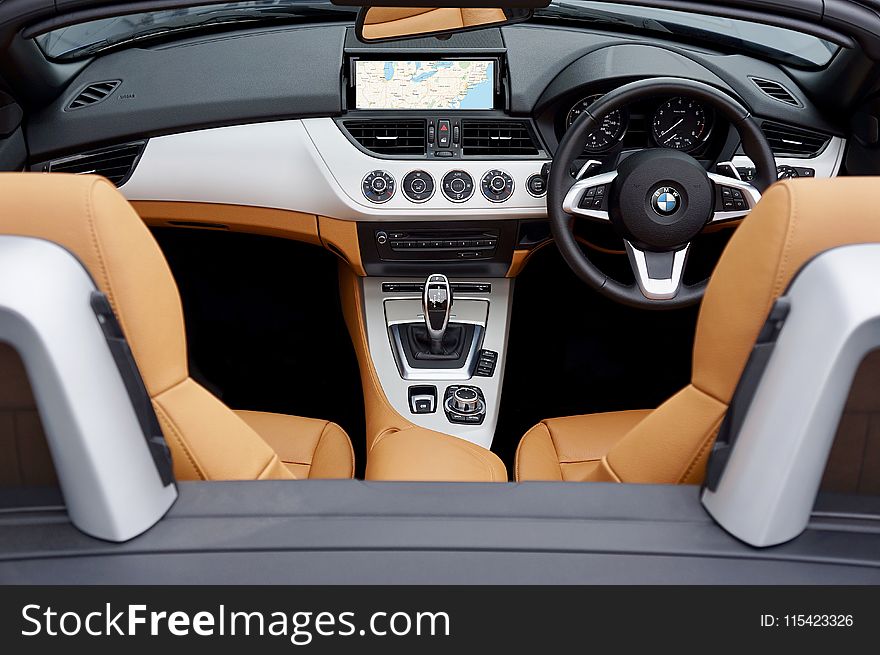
438	84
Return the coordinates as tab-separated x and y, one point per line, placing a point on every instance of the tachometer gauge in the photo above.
610	132
681	123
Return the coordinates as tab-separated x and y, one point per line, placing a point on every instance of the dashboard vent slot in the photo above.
497	139
116	163
93	94
788	141
776	91
389	137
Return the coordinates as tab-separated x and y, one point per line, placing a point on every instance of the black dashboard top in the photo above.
296	72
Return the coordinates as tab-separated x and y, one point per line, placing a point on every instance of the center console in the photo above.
438	348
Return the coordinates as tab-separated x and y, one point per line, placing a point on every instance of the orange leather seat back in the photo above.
87	215
795	221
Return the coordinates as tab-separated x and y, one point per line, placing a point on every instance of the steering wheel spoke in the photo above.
734	198
658	274
589	197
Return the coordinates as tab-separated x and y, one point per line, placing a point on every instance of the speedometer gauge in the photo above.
606	135
681	124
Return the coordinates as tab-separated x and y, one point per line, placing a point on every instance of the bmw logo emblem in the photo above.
666	200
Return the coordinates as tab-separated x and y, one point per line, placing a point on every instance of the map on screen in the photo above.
441	84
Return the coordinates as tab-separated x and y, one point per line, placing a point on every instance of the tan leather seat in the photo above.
795	221
87	215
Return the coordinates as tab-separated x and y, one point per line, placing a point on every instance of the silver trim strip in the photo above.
826	164
310	166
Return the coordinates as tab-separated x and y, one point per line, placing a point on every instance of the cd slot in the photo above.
438	244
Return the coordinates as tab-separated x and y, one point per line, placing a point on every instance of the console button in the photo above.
444	133
418	186
458	186
536	185
496	185
378	187
465	405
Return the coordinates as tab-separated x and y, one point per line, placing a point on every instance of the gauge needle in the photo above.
680	121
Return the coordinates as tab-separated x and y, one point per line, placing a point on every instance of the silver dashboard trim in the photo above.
309	166
826	164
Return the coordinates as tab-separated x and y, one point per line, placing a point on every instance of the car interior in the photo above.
437	243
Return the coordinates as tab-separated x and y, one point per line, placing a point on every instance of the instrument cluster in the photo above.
680	123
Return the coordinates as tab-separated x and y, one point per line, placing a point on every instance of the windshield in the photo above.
107	33
776	43
97	36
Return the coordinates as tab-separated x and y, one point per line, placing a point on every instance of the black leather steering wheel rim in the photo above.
572	146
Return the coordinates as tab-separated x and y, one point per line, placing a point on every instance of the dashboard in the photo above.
423	131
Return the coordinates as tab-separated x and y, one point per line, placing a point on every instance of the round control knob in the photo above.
465	400
497	186
378	186
418	186
458	186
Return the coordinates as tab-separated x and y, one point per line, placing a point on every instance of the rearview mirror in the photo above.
393	23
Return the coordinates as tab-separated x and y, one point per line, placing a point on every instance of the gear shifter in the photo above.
437	306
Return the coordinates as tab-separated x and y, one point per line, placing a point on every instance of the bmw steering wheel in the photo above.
657	200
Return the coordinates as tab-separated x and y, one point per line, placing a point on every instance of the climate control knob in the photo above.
418	186
378	186
458	186
497	186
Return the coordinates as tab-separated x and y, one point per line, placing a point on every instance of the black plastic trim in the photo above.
744	394
134	385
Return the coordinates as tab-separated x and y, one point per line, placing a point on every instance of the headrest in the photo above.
795	221
87	215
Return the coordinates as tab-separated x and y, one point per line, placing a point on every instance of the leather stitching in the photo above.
172	427
516	466
327	425
707	442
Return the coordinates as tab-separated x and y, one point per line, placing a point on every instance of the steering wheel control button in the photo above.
458	186
486	363
378	187
496	185
666	200
418	186
731	199
594	197
464	405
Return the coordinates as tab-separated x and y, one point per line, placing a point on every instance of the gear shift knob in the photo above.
437	306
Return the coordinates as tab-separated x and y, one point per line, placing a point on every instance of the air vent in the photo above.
116	163
788	141
776	91
93	94
497	139
389	137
